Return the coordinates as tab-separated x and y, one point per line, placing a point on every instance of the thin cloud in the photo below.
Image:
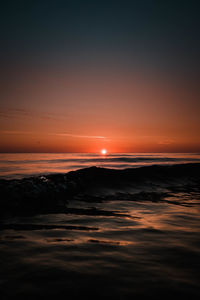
80	136
23	113
15	132
166	142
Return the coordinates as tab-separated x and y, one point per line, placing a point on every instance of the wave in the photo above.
13	166
127	159
51	193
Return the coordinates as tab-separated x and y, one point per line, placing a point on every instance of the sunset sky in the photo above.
79	76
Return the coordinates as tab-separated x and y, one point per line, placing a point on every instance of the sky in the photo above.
79	76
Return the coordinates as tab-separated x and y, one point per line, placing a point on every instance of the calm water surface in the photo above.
137	249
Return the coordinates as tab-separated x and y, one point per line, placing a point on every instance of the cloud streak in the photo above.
14	132
80	136
23	113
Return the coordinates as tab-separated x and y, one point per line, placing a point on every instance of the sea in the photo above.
19	165
87	226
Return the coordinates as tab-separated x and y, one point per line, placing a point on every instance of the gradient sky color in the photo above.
79	76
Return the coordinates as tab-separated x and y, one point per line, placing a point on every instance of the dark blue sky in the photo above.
158	32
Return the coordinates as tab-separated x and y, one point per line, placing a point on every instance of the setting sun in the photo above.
103	151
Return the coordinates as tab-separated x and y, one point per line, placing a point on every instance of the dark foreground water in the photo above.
102	234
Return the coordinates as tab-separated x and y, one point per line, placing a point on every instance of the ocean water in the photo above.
21	165
129	231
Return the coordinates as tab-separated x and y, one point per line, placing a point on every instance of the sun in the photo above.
103	151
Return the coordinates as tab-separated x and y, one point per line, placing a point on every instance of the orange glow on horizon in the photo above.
145	113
